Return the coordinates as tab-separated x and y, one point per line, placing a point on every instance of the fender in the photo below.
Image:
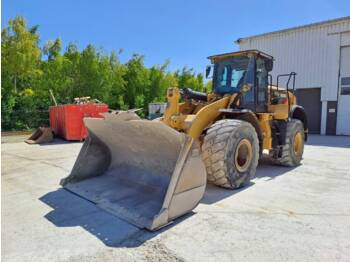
206	116
298	112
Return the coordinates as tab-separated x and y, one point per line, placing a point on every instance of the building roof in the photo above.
296	28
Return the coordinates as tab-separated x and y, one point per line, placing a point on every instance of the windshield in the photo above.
230	74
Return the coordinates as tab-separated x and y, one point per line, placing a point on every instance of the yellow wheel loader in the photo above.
151	172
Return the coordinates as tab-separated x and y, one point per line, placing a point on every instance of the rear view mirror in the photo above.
207	71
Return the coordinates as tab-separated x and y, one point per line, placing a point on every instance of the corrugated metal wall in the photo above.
312	52
156	110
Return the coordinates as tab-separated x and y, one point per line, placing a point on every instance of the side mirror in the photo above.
207	71
249	77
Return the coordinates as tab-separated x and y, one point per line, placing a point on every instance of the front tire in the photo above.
230	152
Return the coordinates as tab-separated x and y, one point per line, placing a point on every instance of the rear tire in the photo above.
291	153
230	152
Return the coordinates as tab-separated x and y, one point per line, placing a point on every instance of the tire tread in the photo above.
214	151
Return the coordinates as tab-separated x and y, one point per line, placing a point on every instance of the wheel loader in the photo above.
151	172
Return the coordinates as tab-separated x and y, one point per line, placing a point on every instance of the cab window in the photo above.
230	74
262	79
237	77
223	75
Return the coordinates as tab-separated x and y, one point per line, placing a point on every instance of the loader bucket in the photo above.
40	136
142	171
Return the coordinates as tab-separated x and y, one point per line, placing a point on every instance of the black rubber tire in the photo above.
287	156
218	152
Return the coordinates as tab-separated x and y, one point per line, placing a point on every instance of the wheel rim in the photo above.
243	155
298	144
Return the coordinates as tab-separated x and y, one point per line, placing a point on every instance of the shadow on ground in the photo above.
60	141
70	210
214	194
268	169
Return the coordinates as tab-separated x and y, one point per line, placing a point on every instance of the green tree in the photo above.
27	78
20	66
188	78
137	82
20	54
158	83
52	49
114	95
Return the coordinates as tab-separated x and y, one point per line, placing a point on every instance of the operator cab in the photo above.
244	72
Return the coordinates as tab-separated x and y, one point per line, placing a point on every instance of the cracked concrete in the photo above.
288	214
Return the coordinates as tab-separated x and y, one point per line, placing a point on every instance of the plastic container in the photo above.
66	121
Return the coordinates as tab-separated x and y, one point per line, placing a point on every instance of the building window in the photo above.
345	90
345	86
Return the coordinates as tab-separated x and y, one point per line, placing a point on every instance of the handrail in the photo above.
290	75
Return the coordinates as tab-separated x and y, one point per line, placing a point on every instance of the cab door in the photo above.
261	81
257	77
248	99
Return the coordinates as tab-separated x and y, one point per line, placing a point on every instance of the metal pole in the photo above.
53	97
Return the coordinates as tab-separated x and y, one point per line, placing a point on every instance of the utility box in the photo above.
66	121
156	110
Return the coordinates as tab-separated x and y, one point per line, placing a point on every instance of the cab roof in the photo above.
240	53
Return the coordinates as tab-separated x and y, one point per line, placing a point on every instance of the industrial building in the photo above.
320	55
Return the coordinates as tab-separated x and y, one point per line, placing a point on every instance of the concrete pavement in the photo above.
291	214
